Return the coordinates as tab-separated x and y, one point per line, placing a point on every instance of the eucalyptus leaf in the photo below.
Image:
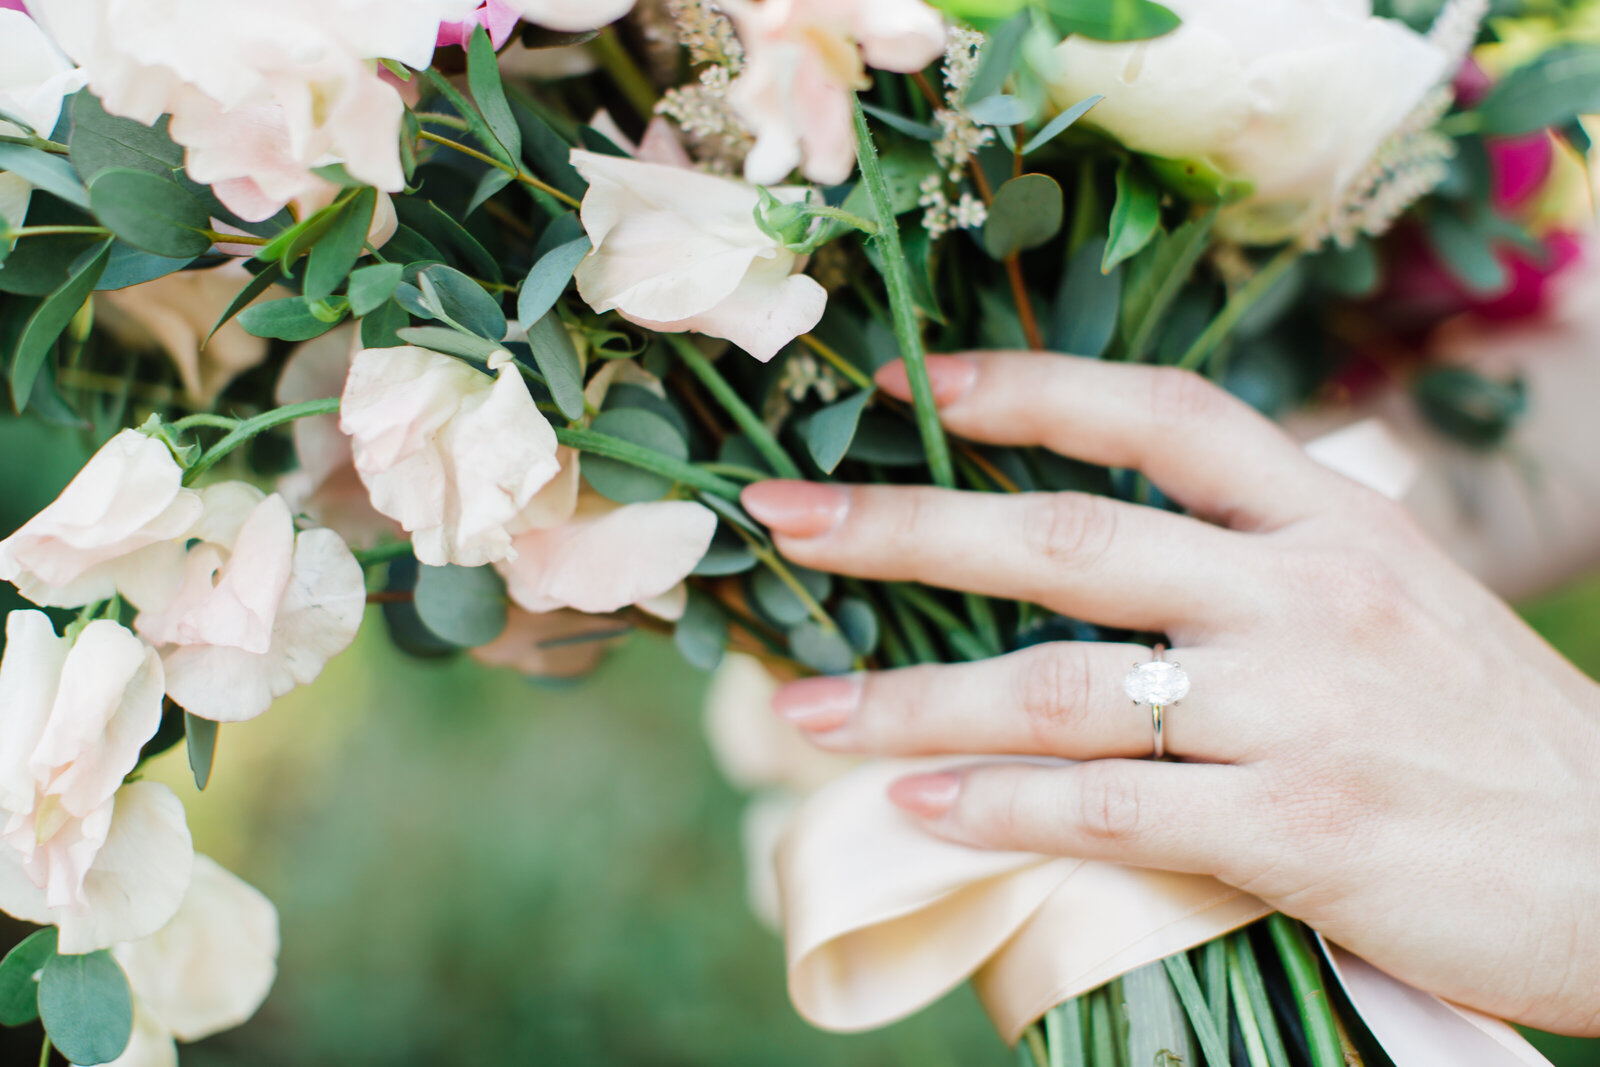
824	650
1135	217
548	280
999	58
1467	252
1058	125
1154	279
727	555
483	78
629	395
701	633
829	432
381	328
130	266
48	172
371	287
289	319
51	318
623	482
465	606
773	597
335	254
1026	213
252	289
859	621
1112	20
86	1007
922	131
887	440
557	359
101	141
1001	110
1548	91
456	298
450	342
19	982
201	741
150	212
1084	315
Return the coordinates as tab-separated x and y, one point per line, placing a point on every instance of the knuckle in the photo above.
1068	528
1178	395
1052	689
1352	584
1109	805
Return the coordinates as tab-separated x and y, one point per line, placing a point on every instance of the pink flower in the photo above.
677	250
804	62
105	862
114	529
496	16
261	608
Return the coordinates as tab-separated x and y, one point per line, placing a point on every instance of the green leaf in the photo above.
622	482
1026	213
151	213
547	149
483	78
1058	125
252	289
49	172
829	432
86	1007
548	280
1197	180
859	621
1473	409
1158	1031
129	266
476	123
771	595
1548	91
51	318
558	362
824	650
1155	278
980	9
922	131
1112	20
998	59
701	634
371	287
19	986
468	346
727	555
381	328
1084	314
201	738
460	301
464	605
1349	272
101	141
1135	217
1001	110
289	319
287	246
336	253
1467	251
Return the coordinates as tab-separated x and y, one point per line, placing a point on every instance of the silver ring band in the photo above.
1159	684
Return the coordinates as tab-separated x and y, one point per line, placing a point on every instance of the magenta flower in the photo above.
496	16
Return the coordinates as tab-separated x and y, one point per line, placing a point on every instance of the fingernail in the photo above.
818	704
797	509
950	376
926	795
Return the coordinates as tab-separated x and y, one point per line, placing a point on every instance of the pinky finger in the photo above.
1190	817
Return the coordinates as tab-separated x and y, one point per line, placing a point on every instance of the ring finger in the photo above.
1059	699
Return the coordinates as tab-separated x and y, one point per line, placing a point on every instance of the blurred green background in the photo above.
475	869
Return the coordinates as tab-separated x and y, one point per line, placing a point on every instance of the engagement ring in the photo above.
1159	684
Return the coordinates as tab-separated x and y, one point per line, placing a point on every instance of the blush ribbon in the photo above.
881	919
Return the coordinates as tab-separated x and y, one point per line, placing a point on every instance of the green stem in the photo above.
1252	1005
371	557
955	631
1063	1027
734	470
48	231
434	118
907	330
774	562
1240	302
1035	1040
854	373
849	218
616	448
1212	1043
520	175
32	141
218	422
44	1052
251	427
235	238
1302	964
747	420
619	65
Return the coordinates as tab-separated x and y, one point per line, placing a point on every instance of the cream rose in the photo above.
34	78
677	250
1293	97
103	861
261	608
114	529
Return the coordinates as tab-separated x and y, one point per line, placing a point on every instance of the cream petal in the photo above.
609	557
769	309
572	16
211	966
34	76
899	35
30	671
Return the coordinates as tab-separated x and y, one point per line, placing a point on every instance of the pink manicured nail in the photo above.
926	795
818	704
950	376
797	509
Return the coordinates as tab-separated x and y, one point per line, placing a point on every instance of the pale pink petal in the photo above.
572	16
899	35
211	966
151	1044
30	671
609	557
770	308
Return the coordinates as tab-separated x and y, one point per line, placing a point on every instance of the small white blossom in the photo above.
959	140
705	32
803	375
961	52
969	213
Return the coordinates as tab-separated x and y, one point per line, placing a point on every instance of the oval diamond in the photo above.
1156	683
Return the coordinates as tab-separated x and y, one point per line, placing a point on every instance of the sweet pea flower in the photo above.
497	16
105	862
1293	98
450	453
803	66
259	94
261	608
178	312
34	78
205	971
677	250
114	529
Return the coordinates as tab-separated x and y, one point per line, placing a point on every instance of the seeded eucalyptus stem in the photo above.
907	330
251	427
748	421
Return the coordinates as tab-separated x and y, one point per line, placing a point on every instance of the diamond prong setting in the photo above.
1157	683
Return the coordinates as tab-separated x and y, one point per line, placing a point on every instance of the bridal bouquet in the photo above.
484	312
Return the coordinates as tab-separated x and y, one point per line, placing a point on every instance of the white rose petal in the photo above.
571	16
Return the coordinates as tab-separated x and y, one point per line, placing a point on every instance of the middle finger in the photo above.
1078	554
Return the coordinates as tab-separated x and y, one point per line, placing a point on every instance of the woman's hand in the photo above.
1374	743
